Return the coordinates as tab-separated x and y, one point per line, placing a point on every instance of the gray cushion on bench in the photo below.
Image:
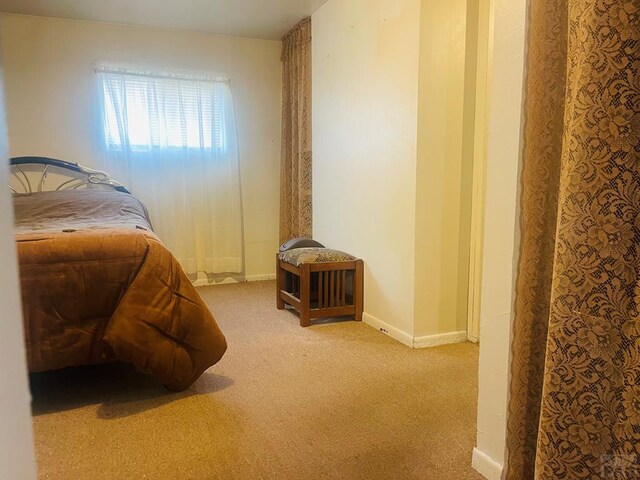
298	256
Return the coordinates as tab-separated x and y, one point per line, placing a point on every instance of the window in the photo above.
150	110
171	138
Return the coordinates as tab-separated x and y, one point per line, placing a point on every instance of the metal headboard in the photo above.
30	171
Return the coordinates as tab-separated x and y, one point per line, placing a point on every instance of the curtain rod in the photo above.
166	74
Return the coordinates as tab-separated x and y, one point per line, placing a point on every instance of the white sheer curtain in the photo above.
172	138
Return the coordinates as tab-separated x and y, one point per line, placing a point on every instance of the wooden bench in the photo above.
317	287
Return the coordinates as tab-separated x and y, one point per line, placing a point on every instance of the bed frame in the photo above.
28	171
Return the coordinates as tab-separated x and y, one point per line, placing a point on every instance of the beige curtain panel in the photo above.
295	168
574	407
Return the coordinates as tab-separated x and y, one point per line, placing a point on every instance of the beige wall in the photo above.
49	80
365	88
16	440
443	173
500	247
392	178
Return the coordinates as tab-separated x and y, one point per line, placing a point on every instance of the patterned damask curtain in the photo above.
574	407
295	167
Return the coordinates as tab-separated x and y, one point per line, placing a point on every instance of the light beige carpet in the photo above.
337	400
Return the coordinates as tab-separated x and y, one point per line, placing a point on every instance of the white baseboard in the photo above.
485	465
204	282
260	278
439	339
387	329
413	342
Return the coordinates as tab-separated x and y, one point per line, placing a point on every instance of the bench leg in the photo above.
358	287
280	279
305	295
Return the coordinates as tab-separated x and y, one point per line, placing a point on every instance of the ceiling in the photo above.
269	19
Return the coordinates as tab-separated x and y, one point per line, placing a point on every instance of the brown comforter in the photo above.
98	286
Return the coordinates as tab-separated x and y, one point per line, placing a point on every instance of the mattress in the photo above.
99	286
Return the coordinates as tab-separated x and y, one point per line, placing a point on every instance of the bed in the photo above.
97	283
